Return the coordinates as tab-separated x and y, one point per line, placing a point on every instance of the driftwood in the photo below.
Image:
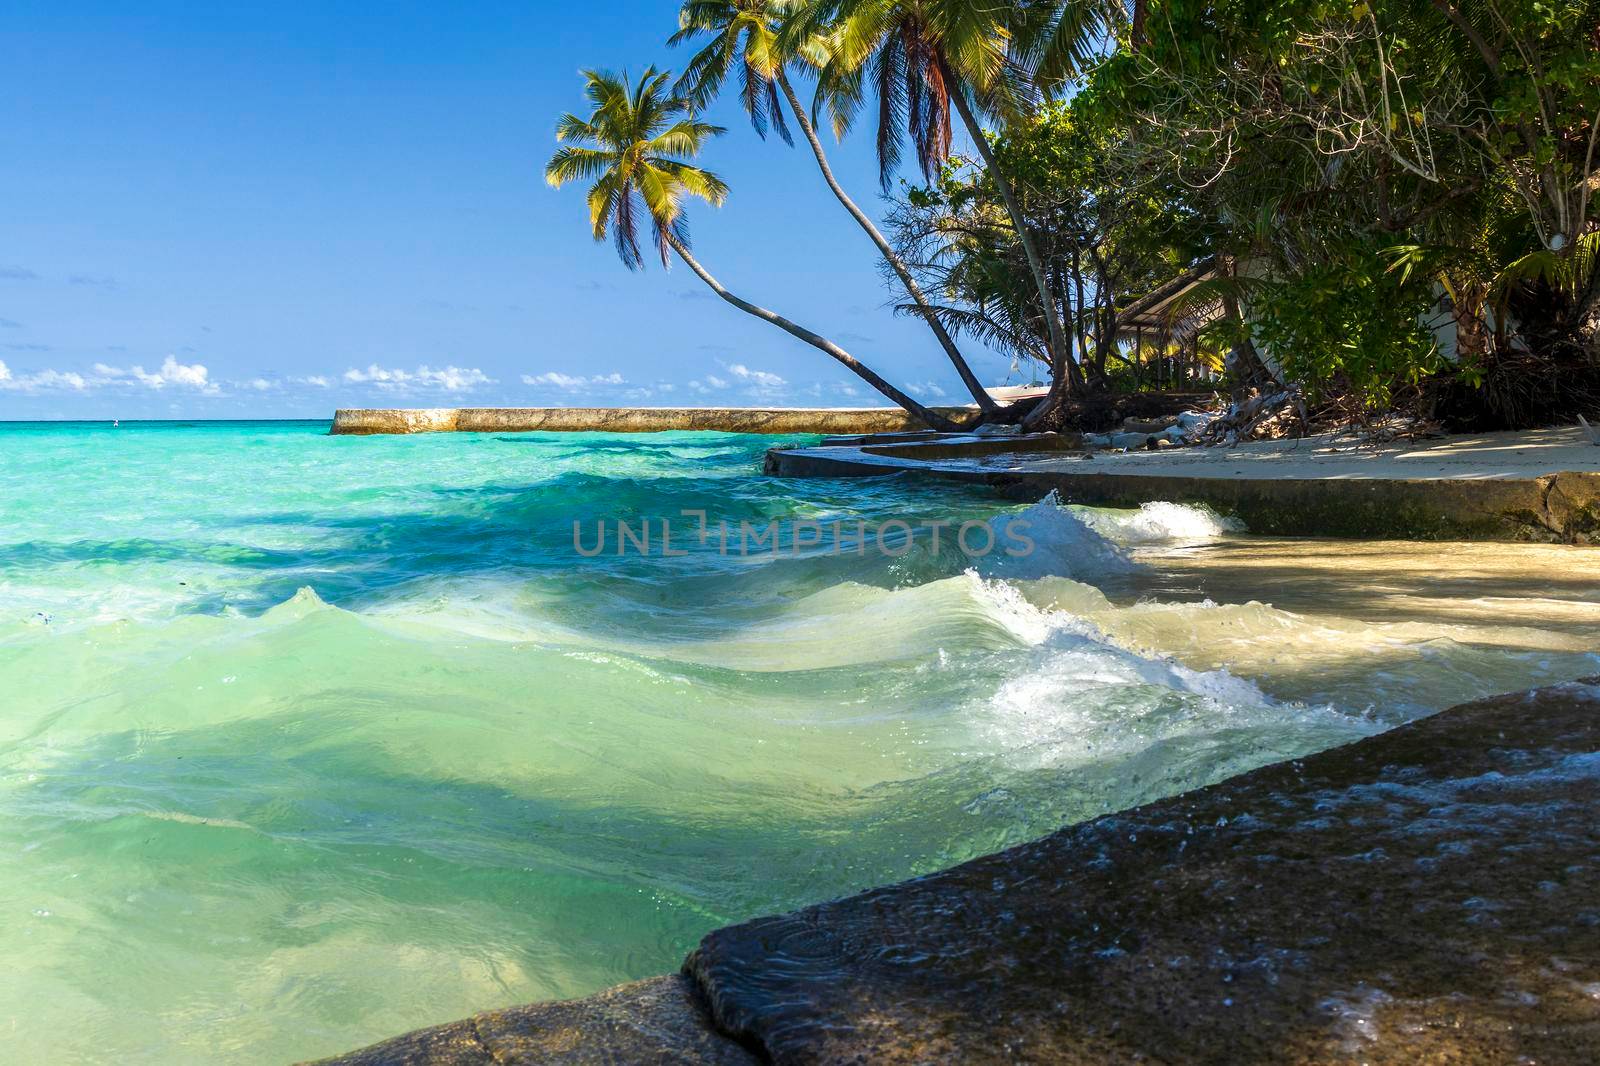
1259	416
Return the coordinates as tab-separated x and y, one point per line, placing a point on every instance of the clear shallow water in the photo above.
309	740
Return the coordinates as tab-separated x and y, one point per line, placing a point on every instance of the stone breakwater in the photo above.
1426	895
774	420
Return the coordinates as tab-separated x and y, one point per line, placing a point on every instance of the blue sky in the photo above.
276	209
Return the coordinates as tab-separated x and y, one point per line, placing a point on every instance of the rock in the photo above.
655	1021
1428	895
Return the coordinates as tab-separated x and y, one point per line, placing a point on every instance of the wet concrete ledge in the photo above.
1542	486
854	420
1428	895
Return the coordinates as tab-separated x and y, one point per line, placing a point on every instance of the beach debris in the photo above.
1152	434
1259	416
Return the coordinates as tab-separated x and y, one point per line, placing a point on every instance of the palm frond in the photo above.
1568	271
625	226
639	140
1201	299
570	127
694	181
573	163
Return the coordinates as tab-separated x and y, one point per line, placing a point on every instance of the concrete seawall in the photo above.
369	420
1540	485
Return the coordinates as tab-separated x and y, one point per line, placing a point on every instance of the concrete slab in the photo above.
1541	485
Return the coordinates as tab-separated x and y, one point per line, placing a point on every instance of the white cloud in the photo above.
559	380
456	379
43	379
573	381
171	372
56	379
260	384
316	380
712	383
927	388
754	377
448	379
570	381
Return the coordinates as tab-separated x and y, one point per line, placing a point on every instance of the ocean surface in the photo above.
306	741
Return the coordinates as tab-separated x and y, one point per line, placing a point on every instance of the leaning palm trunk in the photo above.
927	417
979	393
1058	350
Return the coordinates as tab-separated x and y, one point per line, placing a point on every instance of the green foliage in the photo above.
1354	159
635	149
739	35
1103	240
1458	137
1347	322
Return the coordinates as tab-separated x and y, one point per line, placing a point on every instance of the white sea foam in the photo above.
1051	540
1059	631
1085	696
1158	523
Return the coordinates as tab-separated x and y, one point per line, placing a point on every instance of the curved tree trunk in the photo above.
985	402
931	420
1243	358
1014	209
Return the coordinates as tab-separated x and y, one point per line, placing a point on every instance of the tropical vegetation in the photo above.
1374	205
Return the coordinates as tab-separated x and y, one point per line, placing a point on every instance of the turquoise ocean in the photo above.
308	740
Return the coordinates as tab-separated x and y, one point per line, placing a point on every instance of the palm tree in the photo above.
1060	39
636	148
925	57
743	37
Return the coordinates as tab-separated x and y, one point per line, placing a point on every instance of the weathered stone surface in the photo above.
1559	507
653	1021
632	419
1430	895
416	420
